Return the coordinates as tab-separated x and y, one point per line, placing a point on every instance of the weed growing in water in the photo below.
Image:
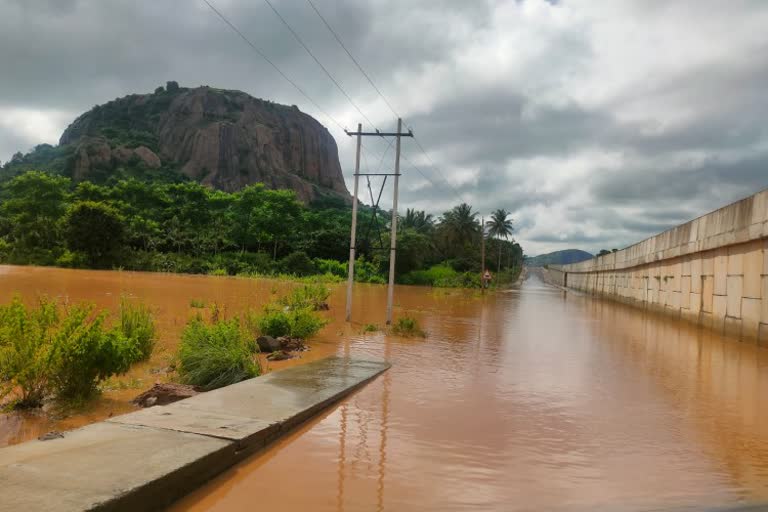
217	354
408	326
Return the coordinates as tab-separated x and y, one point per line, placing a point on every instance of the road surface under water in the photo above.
532	399
535	399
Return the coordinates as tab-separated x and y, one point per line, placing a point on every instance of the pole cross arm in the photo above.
377	133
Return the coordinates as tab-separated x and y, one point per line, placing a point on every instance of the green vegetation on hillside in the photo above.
46	219
558	258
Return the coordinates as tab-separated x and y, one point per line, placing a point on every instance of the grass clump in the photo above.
61	352
197	303
298	323
408	326
216	354
310	296
370	328
138	324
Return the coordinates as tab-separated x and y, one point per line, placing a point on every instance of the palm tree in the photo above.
460	224
418	220
499	226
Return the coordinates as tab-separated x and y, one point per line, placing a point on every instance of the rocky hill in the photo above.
222	138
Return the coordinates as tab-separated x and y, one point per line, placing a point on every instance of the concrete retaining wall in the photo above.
712	271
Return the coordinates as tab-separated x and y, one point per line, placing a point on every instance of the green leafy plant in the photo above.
138	325
85	353
370	328
26	351
295	323
309	296
408	326
197	303
65	353
215	355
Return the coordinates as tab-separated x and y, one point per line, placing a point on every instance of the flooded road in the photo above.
523	400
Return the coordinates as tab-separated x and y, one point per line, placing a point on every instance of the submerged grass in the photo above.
137	323
217	354
408	326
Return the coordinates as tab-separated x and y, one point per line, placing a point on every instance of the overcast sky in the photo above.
597	123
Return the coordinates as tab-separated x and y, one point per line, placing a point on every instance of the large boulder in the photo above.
268	344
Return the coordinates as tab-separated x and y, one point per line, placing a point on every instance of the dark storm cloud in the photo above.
597	125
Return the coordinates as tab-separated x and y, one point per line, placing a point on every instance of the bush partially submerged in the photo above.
408	326
64	352
216	355
309	296
297	323
137	323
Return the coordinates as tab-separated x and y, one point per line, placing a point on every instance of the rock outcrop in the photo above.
225	139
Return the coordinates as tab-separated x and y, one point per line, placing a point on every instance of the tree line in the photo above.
47	219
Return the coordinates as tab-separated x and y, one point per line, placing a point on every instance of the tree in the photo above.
603	252
32	205
500	226
95	229
459	227
418	220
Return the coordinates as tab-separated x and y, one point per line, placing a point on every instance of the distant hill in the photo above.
558	258
221	138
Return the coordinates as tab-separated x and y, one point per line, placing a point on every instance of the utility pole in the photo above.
482	254
393	237
353	235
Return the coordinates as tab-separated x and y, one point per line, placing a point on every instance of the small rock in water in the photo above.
53	434
166	393
267	344
279	355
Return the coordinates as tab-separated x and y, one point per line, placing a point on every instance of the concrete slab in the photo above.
148	459
108	466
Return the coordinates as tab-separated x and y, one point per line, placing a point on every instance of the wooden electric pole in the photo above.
393	237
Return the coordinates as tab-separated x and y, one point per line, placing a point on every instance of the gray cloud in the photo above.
596	125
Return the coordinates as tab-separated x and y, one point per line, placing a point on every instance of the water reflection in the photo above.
531	399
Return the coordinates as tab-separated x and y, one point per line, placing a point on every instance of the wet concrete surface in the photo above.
147	459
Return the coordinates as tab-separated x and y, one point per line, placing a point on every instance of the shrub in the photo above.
216	355
273	323
137	324
66	353
367	272
311	295
304	323
408	326
26	352
298	263
197	303
370	328
334	267
297	323
85	354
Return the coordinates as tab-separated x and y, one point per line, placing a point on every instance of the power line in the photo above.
276	68
349	54
301	91
381	95
271	63
455	191
301	42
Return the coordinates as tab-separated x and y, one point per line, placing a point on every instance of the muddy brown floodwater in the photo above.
531	399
